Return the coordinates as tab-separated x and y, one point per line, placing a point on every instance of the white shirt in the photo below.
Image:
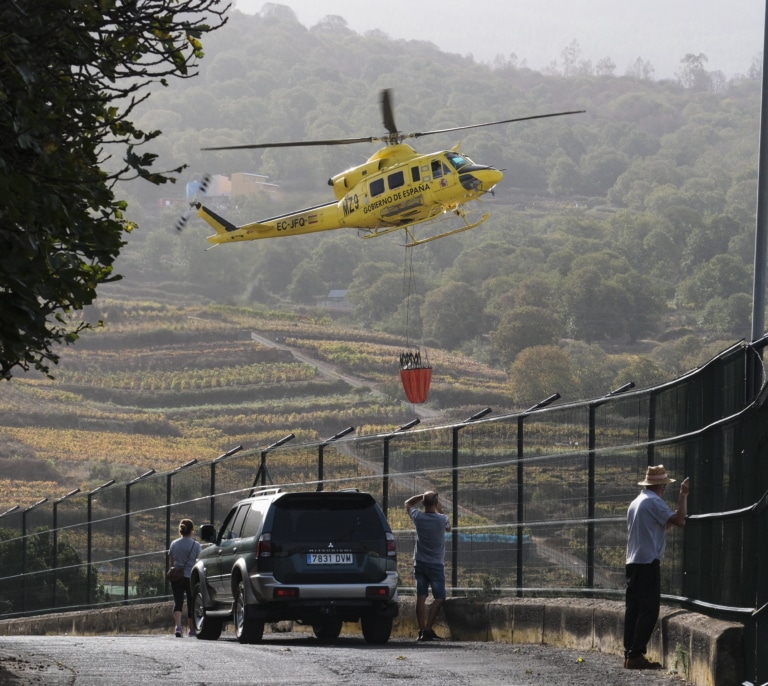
647	519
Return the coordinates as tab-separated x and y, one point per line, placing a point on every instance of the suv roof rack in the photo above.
264	490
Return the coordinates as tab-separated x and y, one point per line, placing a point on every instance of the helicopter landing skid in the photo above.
420	241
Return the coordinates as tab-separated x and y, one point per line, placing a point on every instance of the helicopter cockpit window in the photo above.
458	161
377	187
437	169
396	180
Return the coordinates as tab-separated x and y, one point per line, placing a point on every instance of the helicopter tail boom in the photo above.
306	221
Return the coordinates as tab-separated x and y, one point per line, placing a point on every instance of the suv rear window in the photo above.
325	518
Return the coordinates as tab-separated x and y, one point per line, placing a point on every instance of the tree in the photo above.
308	283
692	73
606	299
380	299
641	69
538	372
642	371
721	277
592	367
523	327
600	169
729	316
564	179
72	74
452	314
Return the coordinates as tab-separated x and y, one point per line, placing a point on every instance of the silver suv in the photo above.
318	558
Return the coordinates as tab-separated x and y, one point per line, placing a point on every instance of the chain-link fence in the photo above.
537	500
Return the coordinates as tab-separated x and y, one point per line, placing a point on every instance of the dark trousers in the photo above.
181	590
643	602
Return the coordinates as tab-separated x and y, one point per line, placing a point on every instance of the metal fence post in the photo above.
263	472
55	558
89	544
320	457
651	450
24	551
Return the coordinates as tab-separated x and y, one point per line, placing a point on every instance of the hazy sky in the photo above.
662	32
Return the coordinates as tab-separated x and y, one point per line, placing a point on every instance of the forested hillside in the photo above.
619	247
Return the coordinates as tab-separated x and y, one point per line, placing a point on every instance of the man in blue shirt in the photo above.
648	518
428	559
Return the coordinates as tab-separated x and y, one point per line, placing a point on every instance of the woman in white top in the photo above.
183	553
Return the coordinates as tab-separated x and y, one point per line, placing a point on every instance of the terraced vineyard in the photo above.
162	384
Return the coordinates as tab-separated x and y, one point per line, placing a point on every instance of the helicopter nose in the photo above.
480	179
491	177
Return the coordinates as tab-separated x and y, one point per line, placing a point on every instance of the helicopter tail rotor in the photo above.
202	188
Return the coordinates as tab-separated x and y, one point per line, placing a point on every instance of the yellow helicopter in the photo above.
394	190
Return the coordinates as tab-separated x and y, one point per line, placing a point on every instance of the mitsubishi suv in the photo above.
318	558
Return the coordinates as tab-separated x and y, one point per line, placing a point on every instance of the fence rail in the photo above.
537	500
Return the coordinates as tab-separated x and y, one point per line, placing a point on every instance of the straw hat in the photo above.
656	476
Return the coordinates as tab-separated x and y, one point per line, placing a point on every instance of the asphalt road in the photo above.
299	659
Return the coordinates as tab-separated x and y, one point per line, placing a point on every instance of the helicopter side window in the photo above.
415	175
396	180
437	169
377	187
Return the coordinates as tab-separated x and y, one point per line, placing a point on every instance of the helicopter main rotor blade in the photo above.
387	112
491	123
300	144
389	123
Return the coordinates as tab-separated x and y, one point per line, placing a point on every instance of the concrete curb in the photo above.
702	650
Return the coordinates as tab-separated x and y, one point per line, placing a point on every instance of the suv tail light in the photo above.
285	592
264	546
376	592
391	547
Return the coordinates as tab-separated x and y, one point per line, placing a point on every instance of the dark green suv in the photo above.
319	558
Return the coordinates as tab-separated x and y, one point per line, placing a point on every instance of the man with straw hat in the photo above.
648	518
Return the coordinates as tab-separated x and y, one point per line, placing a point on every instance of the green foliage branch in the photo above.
72	73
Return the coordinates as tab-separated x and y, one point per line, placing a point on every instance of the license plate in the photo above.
329	558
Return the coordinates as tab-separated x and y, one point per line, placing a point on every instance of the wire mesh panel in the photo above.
342	465
37	582
553	492
622	420
11	567
487	475
70	546
369	453
106	544
232	478
146	528
721	547
188	497
291	464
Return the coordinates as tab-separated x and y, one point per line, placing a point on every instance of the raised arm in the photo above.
413	501
678	518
